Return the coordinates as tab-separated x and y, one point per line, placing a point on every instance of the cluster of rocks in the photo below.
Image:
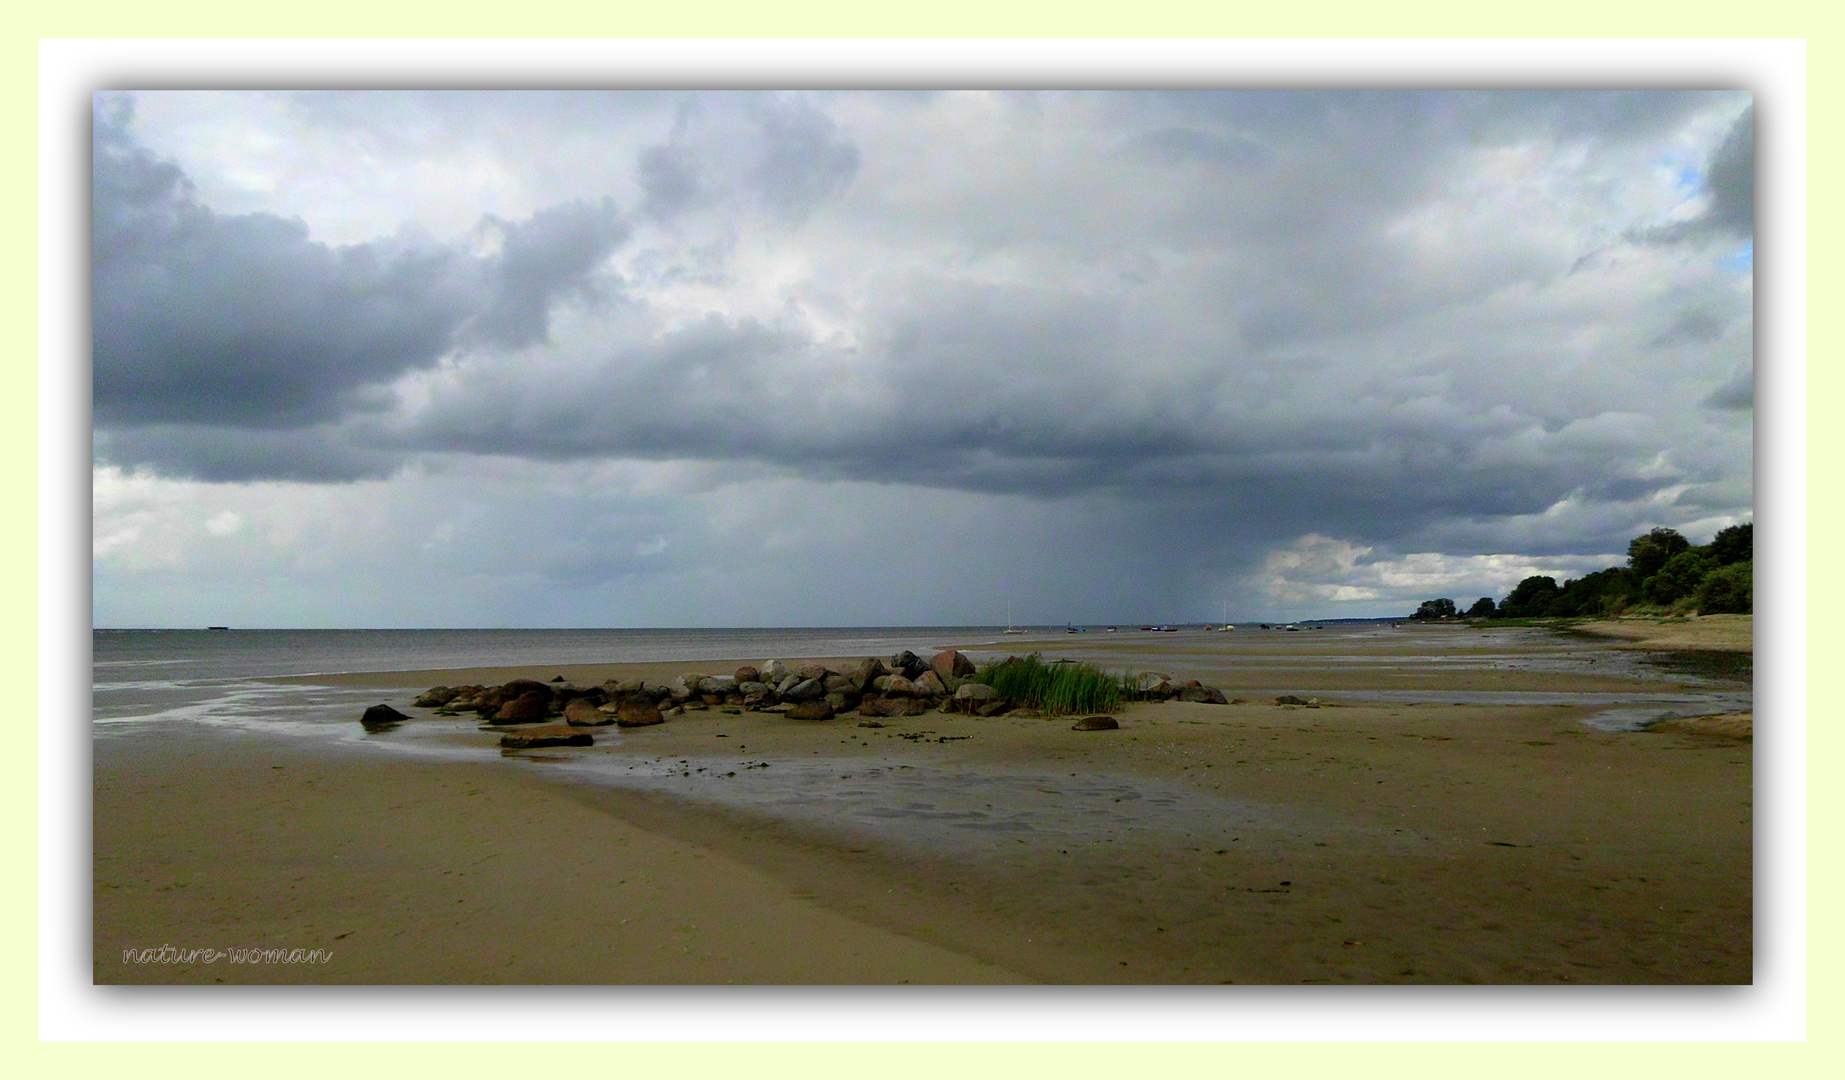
902	685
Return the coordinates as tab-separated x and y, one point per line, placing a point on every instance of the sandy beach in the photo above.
1365	841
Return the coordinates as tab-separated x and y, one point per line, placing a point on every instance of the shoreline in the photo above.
1359	842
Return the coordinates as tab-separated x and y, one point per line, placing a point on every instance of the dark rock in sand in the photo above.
1206	694
582	712
1290	699
533	738
869	723
842	700
1095	723
818	709
805	690
381	717
527	708
635	713
993	708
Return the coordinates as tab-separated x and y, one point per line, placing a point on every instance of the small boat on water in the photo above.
1011	629
217	628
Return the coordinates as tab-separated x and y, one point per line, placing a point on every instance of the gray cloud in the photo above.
804	159
1182	329
1729	184
243	321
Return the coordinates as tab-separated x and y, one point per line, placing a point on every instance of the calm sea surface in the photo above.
222	677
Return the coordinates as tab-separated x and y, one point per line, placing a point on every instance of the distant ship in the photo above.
217	628
1010	629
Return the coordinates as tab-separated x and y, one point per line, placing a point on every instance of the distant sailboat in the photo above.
1010	629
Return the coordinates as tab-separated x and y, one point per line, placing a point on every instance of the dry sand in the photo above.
1707	633
1423	843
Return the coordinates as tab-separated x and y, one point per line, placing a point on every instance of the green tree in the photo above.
1595	594
1679	577
1530	598
1734	544
1483	608
1646	554
1442	608
1728	590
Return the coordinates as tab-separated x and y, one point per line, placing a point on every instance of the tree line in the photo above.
1664	572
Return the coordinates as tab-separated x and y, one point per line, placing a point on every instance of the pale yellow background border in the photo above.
342	18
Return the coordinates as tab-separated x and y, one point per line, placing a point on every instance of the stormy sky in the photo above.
737	358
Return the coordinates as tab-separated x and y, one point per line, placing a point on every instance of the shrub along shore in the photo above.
906	685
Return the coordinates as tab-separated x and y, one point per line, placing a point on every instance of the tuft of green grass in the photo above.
1057	688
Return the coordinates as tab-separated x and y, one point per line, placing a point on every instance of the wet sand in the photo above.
1361	842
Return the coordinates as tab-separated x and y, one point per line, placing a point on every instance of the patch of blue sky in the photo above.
1742	260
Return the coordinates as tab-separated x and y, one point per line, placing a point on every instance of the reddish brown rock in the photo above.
527	708
811	669
549	735
638	713
582	712
746	674
950	664
1095	723
818	709
931	685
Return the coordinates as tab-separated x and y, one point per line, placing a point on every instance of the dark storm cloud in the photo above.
549	256
1729	184
1736	395
322	453
242	321
1324	327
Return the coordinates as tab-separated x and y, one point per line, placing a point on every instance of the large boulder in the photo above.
817	709
930	685
949	664
811	669
890	706
789	682
975	692
774	671
381	718
805	690
686	685
435	697
527	708
712	685
549	735
1209	695
842	700
862	673
902	662
898	686
746	674
638	713
837	682
582	712
520	687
